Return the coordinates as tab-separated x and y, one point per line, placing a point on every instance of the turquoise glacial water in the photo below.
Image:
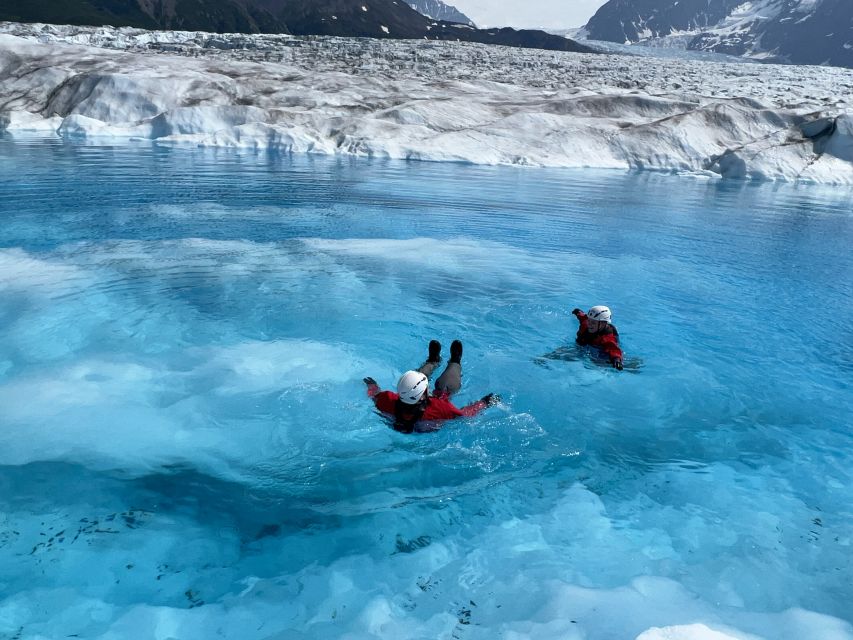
186	449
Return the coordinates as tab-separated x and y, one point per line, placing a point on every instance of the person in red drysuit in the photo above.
596	331
413	408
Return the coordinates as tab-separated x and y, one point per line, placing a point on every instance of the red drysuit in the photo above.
606	341
438	409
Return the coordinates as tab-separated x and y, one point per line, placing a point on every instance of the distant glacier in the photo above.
429	100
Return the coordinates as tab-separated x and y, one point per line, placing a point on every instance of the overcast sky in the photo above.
552	14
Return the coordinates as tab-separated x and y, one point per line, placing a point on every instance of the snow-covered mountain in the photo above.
438	10
793	31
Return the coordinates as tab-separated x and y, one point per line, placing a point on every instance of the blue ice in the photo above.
187	451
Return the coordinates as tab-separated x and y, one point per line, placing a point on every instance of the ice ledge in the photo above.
430	101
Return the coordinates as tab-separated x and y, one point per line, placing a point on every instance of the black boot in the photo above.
434	351
456	352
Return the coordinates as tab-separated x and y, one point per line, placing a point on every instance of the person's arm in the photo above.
584	324
385	401
476	407
372	387
609	345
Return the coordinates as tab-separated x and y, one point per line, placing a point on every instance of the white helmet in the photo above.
412	386
600	313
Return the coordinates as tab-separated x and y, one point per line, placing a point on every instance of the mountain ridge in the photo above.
351	18
237	16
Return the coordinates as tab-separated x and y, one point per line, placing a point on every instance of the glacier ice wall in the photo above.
427	100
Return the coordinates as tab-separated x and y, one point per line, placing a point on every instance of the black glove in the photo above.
370	381
491	399
576	311
617	363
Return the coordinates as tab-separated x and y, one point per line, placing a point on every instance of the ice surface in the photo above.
426	100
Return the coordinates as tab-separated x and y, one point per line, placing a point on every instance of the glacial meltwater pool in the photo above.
187	451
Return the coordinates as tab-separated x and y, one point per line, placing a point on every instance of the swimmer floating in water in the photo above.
596	331
413	404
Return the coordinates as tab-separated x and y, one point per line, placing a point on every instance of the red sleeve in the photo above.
473	409
584	324
609	344
385	401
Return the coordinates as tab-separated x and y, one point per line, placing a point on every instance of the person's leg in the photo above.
432	360
451	380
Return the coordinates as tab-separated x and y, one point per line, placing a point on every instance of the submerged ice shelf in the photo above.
428	100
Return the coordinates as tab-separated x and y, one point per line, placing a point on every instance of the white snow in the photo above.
690	632
426	100
806	6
